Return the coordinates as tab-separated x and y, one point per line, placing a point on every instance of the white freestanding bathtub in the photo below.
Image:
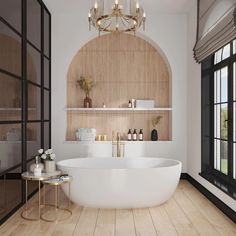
121	182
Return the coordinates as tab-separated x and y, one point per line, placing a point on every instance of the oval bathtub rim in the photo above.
178	163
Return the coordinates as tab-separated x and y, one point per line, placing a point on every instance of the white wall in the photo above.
194	115
70	32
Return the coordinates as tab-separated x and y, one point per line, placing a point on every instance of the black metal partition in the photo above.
25	95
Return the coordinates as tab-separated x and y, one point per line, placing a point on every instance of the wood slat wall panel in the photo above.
123	67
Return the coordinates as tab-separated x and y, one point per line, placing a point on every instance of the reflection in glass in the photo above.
46	135
10	48
10	191
34	102
10	98
10	145
33	65
34	139
32	185
46	33
34	23
46	105
10	11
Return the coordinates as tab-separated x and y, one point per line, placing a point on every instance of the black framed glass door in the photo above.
25	94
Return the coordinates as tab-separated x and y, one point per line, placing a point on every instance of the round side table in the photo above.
57	182
29	176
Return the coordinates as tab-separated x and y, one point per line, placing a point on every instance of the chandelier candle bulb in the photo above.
137	7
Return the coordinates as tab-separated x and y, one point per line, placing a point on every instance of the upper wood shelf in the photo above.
119	109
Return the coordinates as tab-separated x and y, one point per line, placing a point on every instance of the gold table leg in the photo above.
24	213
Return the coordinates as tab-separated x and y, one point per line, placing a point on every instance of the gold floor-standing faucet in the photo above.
117	145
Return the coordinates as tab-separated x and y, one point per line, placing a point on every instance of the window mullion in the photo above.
230	119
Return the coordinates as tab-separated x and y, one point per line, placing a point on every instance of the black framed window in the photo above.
25	94
219	118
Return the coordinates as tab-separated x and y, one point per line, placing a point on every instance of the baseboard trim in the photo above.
184	176
211	197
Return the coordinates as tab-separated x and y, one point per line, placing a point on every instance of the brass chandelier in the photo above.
117	16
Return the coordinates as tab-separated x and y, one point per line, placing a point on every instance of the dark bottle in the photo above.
154	135
129	136
140	136
135	135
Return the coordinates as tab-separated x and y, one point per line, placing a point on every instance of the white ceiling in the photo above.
158	6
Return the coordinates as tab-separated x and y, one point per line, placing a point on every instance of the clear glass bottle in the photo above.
37	164
135	135
129	135
140	136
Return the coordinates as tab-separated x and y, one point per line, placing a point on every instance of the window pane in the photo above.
32	185
10	11
10	191
34	22
33	65
10	145
34	139
224	157
10	98
226	52
234	81
34	102
222	54
234	121
224	84
46	33
46	135
46	73
217	57
217	86
46	105
234	158
217	153
10	50
224	121
234	46
217	121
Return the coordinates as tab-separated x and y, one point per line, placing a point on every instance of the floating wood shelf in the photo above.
118	109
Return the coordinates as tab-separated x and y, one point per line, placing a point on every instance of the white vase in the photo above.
50	166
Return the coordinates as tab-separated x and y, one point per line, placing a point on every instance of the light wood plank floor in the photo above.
187	213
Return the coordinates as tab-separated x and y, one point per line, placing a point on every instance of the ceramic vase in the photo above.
50	166
154	135
87	102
